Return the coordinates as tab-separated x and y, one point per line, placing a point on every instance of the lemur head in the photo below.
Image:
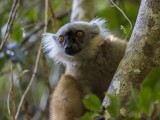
74	41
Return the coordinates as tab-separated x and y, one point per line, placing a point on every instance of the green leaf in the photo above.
89	116
157	93
132	118
32	15
92	102
150	91
145	100
133	103
123	29
86	116
17	34
152	81
2	60
114	108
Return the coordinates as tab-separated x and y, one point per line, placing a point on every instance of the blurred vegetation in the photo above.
142	105
17	58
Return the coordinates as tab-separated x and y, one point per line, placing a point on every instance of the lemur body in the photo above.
94	75
91	56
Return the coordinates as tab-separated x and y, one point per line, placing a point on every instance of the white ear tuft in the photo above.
49	45
101	23
47	39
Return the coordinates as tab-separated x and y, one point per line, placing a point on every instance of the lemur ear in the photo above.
49	36
47	41
49	44
95	29
54	37
99	25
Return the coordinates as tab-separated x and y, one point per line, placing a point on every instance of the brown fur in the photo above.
66	100
92	75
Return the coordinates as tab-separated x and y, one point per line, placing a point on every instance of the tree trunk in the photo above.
82	10
142	53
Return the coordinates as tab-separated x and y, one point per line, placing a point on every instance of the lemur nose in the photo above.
68	47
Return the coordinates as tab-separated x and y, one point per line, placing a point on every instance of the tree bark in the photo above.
82	10
142	53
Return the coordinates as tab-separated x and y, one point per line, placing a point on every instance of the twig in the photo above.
154	112
8	99
33	31
36	64
124	16
31	81
53	15
27	113
10	22
41	26
43	57
11	93
45	99
46	15
122	13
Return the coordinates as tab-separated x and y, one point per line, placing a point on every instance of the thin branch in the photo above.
44	100
40	26
43	57
53	15
31	81
36	64
124	16
154	112
122	13
10	22
9	94
46	15
12	94
33	31
26	110
8	99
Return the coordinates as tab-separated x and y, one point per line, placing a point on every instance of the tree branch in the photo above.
36	64
142	53
40	26
82	10
30	83
10	22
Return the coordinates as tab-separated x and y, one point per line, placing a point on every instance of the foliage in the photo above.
114	108
93	104
144	104
147	101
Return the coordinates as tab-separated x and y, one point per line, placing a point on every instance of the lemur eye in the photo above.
79	33
61	39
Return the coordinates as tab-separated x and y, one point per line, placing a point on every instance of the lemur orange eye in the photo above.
80	34
61	39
